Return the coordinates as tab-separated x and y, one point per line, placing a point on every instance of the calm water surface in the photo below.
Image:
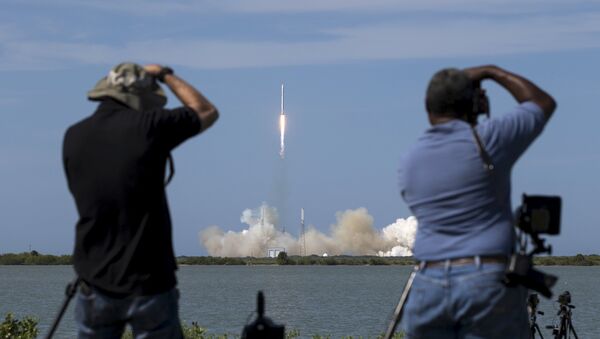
336	300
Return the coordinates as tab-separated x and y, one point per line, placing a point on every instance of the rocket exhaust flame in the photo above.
282	133
282	127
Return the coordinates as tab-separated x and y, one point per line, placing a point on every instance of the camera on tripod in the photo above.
537	215
564	328
533	301
564	299
263	327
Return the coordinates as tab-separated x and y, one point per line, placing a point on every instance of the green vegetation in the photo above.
193	331
196	332
282	259
318	336
578	260
211	261
35	258
285	259
13	328
27	329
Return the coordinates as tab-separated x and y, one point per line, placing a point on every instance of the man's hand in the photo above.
480	72
520	88
153	69
188	95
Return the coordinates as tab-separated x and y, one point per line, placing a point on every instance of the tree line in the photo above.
35	258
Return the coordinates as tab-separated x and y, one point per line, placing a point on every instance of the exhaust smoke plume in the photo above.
352	234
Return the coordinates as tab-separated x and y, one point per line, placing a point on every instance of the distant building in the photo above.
274	251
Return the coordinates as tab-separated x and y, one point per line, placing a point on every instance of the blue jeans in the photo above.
154	316
466	302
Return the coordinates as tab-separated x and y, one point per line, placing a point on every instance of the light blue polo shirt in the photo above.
462	210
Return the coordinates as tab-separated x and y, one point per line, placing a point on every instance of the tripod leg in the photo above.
538	330
69	293
563	331
400	307
573	330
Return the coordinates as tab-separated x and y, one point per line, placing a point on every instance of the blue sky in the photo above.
355	74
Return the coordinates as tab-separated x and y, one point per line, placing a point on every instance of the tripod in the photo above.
565	328
389	333
532	302
69	293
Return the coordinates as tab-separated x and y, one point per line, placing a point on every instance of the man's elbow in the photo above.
209	117
549	107
547	104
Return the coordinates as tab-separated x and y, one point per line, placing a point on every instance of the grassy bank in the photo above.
26	328
577	260
35	258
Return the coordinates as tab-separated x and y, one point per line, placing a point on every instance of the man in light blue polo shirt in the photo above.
456	181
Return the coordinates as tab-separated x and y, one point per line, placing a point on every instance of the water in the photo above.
336	300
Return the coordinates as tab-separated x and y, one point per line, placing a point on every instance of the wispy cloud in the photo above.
159	7
410	39
466	6
423	35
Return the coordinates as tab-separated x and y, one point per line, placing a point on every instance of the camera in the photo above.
533	300
536	215
481	104
564	298
539	214
263	327
564	327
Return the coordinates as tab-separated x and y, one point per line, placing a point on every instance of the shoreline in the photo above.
35	258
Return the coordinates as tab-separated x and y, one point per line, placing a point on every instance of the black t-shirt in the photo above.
115	166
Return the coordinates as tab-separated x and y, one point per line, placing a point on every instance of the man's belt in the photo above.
489	259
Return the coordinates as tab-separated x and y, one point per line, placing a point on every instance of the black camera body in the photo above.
481	104
564	298
536	215
533	300
263	327
539	214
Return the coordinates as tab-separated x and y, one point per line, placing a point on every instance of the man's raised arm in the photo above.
187	94
521	88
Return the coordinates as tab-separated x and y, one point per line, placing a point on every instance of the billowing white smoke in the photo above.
353	234
403	232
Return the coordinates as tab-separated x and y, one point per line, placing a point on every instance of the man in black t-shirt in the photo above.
115	163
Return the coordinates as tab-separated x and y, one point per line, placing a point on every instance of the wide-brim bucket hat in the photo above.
130	84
